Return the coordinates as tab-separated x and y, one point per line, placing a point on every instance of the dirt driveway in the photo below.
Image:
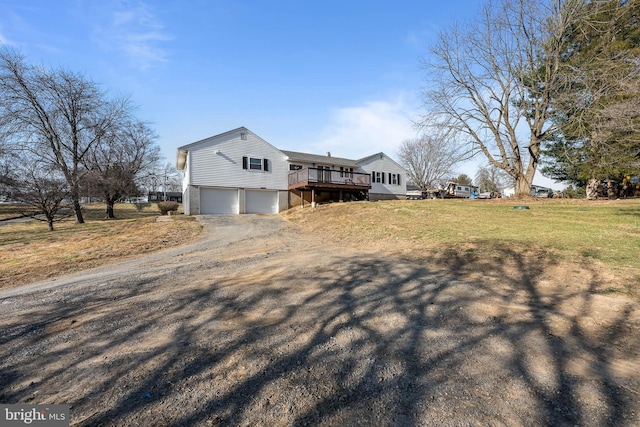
260	324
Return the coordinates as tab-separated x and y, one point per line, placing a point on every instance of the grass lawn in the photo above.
605	234
29	252
574	231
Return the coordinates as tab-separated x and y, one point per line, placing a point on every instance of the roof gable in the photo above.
381	155
182	151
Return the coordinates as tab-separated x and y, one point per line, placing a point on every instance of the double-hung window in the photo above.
255	163
394	178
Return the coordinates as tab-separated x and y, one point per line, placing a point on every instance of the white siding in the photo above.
382	163
217	162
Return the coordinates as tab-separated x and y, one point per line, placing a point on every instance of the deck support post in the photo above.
313	198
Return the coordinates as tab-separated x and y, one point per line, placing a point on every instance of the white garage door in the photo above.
218	201
261	202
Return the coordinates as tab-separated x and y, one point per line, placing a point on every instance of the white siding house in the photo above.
234	172
238	172
388	178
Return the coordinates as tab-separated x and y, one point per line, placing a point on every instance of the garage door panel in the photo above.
218	201
261	202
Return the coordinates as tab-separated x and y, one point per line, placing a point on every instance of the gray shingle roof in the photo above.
316	158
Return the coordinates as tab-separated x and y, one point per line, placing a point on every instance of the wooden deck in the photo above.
328	179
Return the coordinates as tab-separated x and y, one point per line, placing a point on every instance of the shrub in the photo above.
139	206
165	207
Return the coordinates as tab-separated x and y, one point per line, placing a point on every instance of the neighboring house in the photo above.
159	196
239	172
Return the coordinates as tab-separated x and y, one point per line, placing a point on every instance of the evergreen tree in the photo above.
598	111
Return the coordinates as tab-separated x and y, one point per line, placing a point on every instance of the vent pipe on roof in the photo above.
328	153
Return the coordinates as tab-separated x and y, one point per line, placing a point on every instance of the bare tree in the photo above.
39	187
429	158
490	178
57	115
117	161
163	177
493	79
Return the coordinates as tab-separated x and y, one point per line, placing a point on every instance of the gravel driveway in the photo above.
259	324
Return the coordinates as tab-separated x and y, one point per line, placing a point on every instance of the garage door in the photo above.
218	201
261	202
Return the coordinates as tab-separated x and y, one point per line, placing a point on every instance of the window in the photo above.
394	178
295	167
346	172
255	163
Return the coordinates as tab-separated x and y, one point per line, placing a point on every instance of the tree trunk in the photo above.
110	214
50	222
523	186
592	189
111	201
78	210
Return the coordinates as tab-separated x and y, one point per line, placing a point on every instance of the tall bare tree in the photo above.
430	158
55	114
117	161
492	80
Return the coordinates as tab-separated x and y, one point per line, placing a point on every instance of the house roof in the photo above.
316	158
381	155
182	151
292	156
186	147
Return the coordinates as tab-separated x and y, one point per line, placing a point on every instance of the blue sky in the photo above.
314	76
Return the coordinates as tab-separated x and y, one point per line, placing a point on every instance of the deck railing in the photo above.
318	176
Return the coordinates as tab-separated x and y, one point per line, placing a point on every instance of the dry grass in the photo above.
30	253
606	233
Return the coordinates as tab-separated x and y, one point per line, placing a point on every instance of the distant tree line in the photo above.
62	138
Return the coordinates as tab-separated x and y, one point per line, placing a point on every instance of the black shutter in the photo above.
244	162
399	179
373	176
266	165
390	178
382	173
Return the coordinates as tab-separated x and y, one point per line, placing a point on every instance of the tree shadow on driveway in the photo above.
365	339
